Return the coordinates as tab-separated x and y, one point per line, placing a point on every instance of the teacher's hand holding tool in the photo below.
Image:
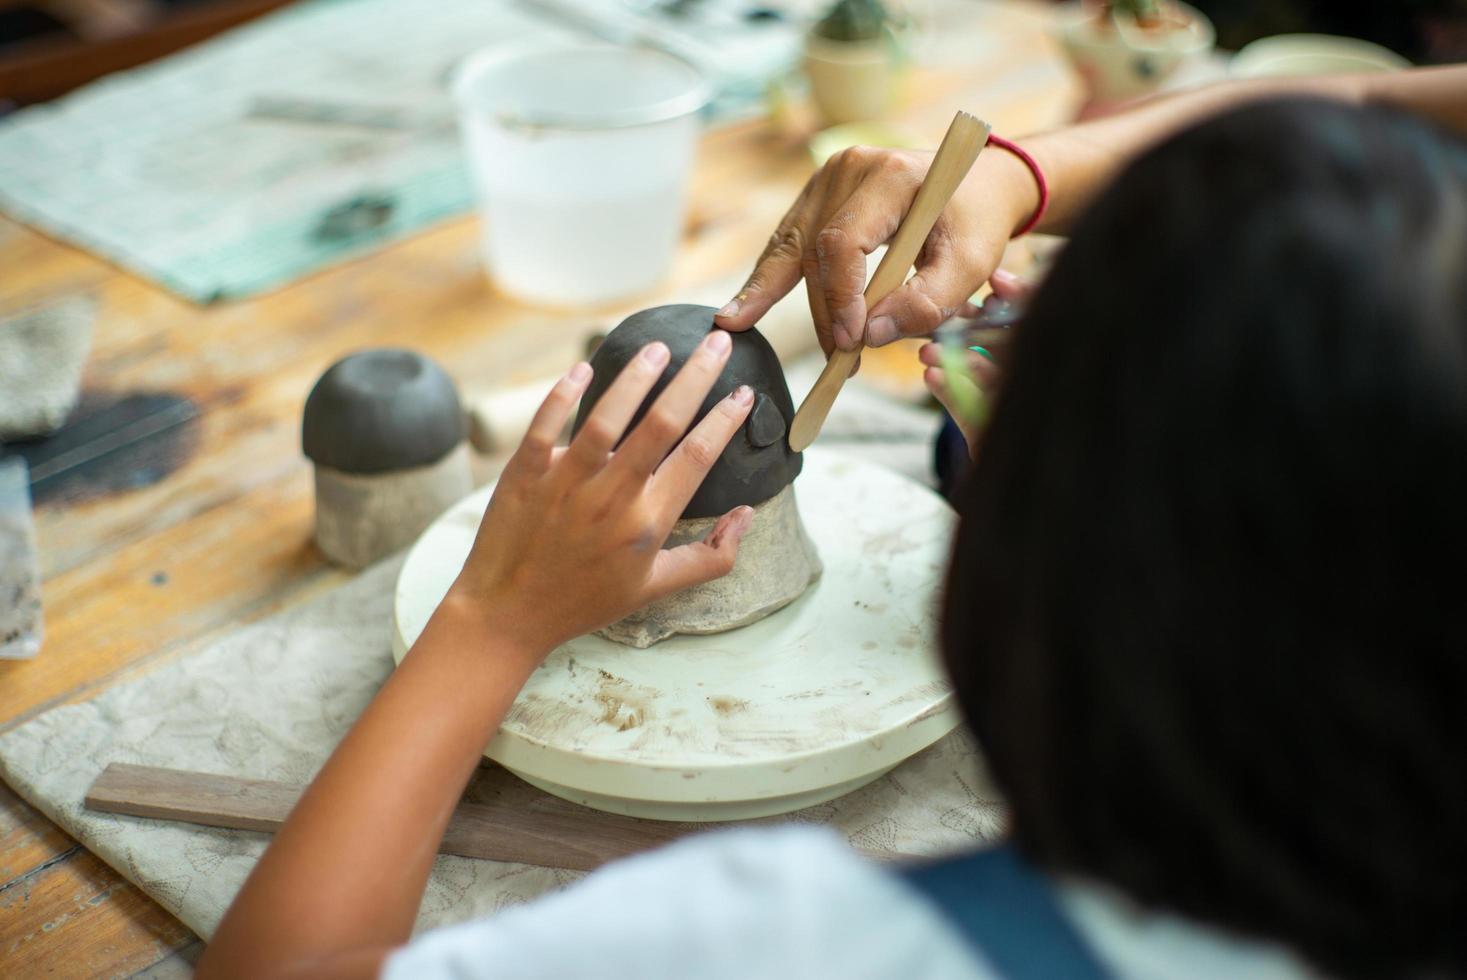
854	204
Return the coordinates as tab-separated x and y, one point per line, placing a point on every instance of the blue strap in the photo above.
1007	911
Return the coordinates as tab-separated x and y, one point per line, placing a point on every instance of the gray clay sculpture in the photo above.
381	410
777	561
385	431
758	462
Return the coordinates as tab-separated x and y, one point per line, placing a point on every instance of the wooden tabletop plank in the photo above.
79	918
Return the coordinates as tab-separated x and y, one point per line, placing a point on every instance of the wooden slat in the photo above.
511	821
78	918
28	841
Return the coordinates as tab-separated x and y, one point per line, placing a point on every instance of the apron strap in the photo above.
1008	912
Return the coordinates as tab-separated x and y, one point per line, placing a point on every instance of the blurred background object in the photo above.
1312	54
580	154
42	352
853	60
1421	31
323	131
49	47
20	577
1127	49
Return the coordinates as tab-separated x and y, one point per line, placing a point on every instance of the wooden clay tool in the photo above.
502	818
960	147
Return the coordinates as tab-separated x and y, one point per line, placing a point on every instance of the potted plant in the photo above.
853	57
1124	49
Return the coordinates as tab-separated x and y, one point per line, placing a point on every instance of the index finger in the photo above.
668	418
682	473
778	268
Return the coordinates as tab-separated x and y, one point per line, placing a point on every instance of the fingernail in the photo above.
580	374
718	340
984	351
742	395
742	518
881	330
1006	277
731	308
655	354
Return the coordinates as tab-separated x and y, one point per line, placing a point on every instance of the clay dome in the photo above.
382	410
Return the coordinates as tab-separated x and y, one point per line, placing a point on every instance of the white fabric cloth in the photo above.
790	902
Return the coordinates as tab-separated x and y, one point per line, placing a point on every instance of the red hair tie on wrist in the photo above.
1033	166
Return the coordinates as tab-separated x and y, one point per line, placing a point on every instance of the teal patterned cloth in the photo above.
309	136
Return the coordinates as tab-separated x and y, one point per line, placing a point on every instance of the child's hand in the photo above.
964	392
572	539
960	393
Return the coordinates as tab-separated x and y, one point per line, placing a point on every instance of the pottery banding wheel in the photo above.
819	698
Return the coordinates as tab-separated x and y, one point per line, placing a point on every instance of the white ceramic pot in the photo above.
1120	60
1312	54
851	81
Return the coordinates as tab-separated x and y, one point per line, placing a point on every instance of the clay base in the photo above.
363	517
777	562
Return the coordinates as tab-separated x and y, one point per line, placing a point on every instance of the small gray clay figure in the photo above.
385	431
777	561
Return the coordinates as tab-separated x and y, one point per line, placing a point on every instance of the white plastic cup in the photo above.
580	155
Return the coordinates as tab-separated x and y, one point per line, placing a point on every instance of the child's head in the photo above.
1207	610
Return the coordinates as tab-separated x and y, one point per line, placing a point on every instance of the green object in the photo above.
1143	11
969	405
854	21
984	351
828	142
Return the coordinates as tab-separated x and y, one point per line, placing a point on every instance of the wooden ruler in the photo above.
502	818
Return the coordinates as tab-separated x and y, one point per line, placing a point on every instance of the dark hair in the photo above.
1207	610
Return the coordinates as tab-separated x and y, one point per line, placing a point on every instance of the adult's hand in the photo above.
854	204
572	539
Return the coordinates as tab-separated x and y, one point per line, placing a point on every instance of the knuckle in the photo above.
905	165
787	242
599	432
700	453
662	425
922	315
857	156
830	241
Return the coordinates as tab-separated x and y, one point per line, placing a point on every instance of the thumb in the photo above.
1008	286
701	561
936	291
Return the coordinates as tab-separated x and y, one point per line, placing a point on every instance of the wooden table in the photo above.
200	519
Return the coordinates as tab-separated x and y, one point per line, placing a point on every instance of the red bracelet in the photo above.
1033	166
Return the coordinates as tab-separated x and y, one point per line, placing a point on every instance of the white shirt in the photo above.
789	902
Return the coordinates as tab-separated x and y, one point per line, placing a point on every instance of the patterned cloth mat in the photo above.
272	699
317	133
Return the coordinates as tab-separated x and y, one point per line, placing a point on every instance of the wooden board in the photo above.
222	535
501	819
